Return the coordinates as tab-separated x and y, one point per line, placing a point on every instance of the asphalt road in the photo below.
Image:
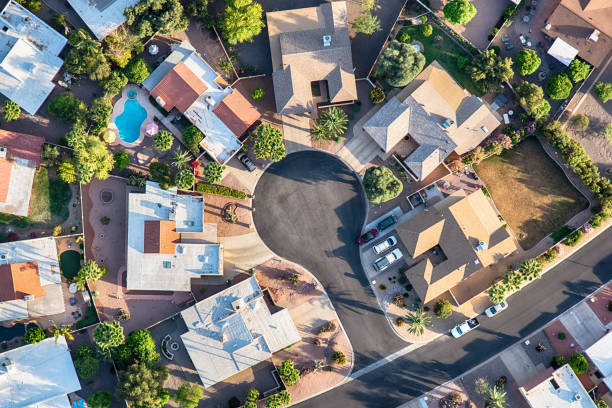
309	209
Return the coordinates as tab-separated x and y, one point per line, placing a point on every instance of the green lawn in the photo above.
50	198
446	53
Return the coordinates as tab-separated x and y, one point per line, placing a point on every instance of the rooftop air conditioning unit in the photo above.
326	40
481	246
594	36
484	129
28	297
160	101
447	123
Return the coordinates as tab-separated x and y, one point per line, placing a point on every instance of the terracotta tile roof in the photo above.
160	237
18	280
236	112
22	145
180	88
6	168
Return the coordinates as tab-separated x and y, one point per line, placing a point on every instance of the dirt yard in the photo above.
530	191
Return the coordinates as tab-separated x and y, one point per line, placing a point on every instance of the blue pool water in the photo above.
129	122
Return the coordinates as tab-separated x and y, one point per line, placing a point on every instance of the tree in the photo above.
578	70
241	21
257	93
160	172
67	108
67	172
100	399
108	336
139	347
192	138
114	83
426	30
399	64
497	293
527	61
163	140
213	172
34	335
598	403
381	185
122	160
252	396
288	373
459	11
188	395
50	155
57	331
184	179
603	90
137	70
333	122
418	321
93	159
268	143
559	86
339	358
150	16
99	114
86	56
142	387
121	45
180	159
579	363
366	23
90	271
279	400
531	96
198	9
488	70
11	111
580	122
85	363
443	309
530	269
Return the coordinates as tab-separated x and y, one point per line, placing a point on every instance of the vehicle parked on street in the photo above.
386	223
386	261
367	237
493	310
386	244
461	329
247	162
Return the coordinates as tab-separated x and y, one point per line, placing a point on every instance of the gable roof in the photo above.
389	125
236	112
180	88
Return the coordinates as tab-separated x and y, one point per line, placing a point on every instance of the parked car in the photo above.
384	262
386	244
461	329
367	237
246	162
493	310
386	223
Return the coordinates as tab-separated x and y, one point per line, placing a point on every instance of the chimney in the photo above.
326	40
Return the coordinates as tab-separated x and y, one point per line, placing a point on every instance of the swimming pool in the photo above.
130	121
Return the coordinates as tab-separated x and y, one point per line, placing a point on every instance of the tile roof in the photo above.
237	112
22	145
180	88
160	237
18	280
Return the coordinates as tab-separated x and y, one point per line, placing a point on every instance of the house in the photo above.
186	83
454	239
38	375
30	279
437	114
559	388
583	26
234	330
168	242
310	45
601	356
20	157
102	17
29	61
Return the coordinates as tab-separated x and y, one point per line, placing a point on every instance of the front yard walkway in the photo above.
296	133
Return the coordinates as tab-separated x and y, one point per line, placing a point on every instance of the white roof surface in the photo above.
234	330
20	188
41	375
29	60
569	392
102	16
562	52
150	271
600	354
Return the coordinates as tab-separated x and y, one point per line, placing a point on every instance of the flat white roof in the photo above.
600	354
20	187
171	272
234	330
562	52
563	390
102	16
38	373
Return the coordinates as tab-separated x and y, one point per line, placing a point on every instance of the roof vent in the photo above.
237	304
547	27
481	246
28	297
447	123
577	397
210	101
326	40
160	101
484	129
3	152
7	364
476	261
594	36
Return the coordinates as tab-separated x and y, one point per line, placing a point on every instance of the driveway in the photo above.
309	208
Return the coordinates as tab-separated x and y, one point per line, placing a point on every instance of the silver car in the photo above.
384	262
386	244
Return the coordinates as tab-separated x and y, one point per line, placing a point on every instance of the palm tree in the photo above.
496	398
180	160
418	321
57	331
332	123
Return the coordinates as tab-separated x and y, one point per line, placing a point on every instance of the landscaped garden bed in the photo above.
531	191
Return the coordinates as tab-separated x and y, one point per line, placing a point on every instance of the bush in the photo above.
462	61
426	30
281	399
114	83
85	363
403	35
11	111
603	91
184	179
494	32
100	399
578	70
288	373
192	138
68	108
160	172
105	220
443	309
137	70
399	64
163	140
561	336
381	185
213	172
559	86
558	362
34	335
574	238
220	191
527	61
459	11
268	143
188	395
579	364
580	122
598	219
339	358
423	19
257	93
377	95
122	160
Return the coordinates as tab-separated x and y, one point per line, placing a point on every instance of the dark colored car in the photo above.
246	162
368	236
386	223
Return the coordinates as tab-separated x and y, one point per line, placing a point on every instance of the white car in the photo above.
493	310
464	327
384	262
386	244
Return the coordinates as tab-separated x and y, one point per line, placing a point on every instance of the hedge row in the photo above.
220	191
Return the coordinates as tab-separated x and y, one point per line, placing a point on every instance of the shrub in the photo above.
426	30
339	358
122	160
163	140
403	35
399	64
34	335
579	363
608	132
573	238
160	172
68	108
377	95
192	138
281	399
268	143
137	70
100	399
443	309
381	185
459	11
580	122
578	70
213	172
257	93
561	336
558	361
220	191
57	231
105	220
527	61
559	86
494	32
601	403
114	83
400	321
11	111
188	395
184	179
603	91
288	373
423	19
85	363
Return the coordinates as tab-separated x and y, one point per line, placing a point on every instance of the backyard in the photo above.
535	198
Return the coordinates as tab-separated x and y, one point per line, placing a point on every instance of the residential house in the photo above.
600	353
311	46
455	238
102	17
584	28
186	83
29	61
38	375
168	242
559	388
434	113
234	330
30	279
20	157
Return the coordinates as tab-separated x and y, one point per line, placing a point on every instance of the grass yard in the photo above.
531	192
446	53
50	198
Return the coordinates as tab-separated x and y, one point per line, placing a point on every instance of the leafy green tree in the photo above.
488	70
85	363
108	336
198	9
188	395
332	123
257	94
399	64
580	122
137	70
268	143
579	363
426	30
184	179
93	159
497	293
598	403
381	185
34	335
86	56
99	114
339	358
67	108
122	160
77	136
366	23
160	172
559	86
418	321
50	155
163	140
67	172
142	387
527	61
241	21
58	21
578	70
58	331
288	373
180	159
459	11
603	90
121	45
150	16
252	396
531	96
494	397
192	138
114	83
100	399
11	111
139	347
90	271
443	309
213	172
282	399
